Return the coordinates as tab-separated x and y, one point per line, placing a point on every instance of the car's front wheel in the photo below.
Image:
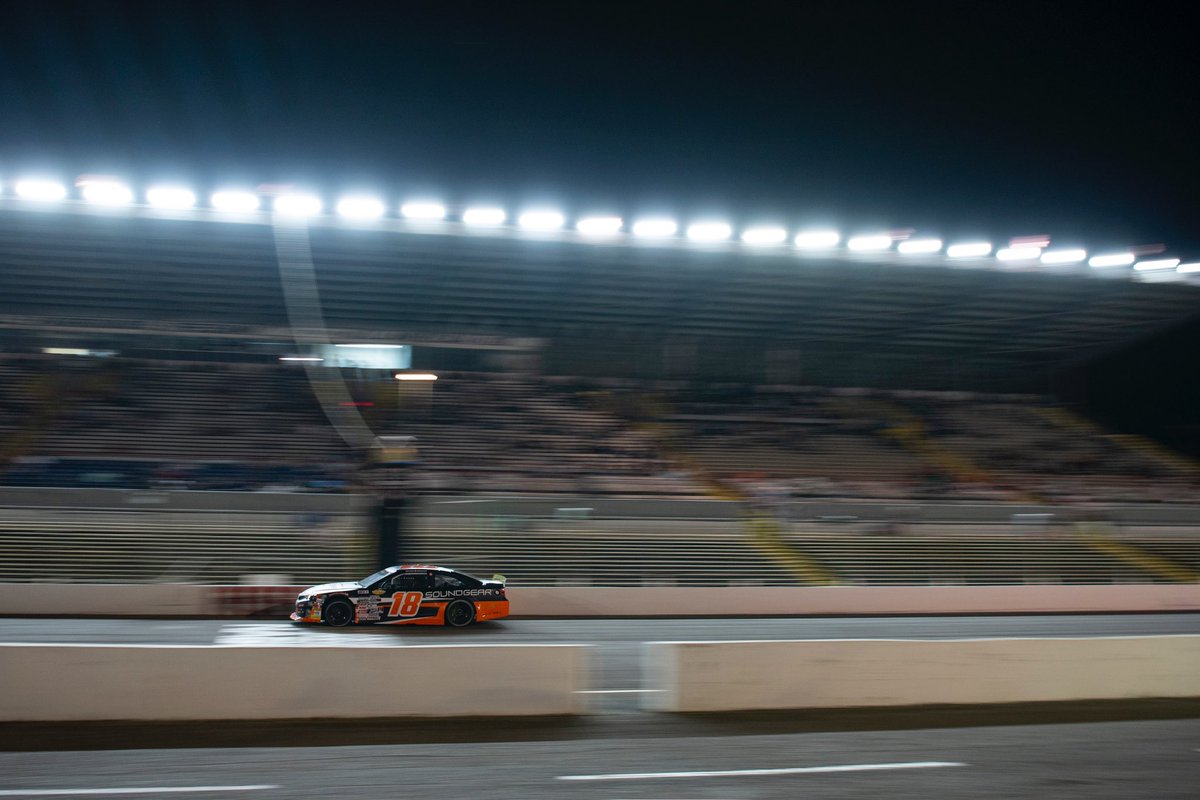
460	613
339	613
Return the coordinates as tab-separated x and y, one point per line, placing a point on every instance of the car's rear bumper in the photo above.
490	609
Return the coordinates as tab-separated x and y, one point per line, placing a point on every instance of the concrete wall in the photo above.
851	600
734	676
103	599
151	600
102	682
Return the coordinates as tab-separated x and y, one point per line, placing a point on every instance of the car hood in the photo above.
325	588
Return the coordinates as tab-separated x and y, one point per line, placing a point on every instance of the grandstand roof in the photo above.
882	320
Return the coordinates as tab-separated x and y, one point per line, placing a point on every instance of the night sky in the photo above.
957	118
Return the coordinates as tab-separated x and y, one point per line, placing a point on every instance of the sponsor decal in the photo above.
405	604
449	593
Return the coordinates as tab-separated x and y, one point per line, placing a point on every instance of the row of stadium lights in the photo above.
107	192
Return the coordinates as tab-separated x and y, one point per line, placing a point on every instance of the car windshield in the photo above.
383	573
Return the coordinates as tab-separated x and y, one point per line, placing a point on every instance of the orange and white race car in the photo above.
416	594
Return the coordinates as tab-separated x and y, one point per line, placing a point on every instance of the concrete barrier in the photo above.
849	600
103	599
190	600
130	682
740	676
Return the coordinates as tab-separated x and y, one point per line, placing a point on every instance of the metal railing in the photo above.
570	546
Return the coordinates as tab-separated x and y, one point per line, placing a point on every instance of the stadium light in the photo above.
916	246
1157	264
42	191
484	217
174	197
106	192
764	236
709	231
869	243
969	250
1070	256
1188	269
360	207
1018	253
234	201
1112	260
599	226
432	211
655	228
541	220
297	205
415	376
816	240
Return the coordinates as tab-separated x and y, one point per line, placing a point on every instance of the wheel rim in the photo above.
338	614
459	614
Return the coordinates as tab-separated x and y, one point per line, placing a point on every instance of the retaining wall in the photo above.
131	682
741	676
192	600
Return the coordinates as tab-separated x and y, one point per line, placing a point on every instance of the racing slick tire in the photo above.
460	613
338	613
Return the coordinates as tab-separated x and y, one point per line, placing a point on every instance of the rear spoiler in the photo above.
498	578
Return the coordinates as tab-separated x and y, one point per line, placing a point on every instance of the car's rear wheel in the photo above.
338	613
460	613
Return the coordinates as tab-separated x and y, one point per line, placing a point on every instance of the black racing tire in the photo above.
338	613
459	613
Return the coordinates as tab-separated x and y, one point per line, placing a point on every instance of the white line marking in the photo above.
138	790
617	691
633	776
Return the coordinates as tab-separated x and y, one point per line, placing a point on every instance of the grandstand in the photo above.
141	352
599	308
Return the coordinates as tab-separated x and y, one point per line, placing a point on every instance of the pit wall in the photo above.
193	600
761	675
80	682
129	682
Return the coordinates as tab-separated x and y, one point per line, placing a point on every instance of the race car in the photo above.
410	594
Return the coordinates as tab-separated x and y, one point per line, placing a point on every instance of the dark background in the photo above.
959	118
1002	118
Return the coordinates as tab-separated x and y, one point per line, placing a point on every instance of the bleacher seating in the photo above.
207	425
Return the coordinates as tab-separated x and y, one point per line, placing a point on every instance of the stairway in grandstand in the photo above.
1146	449
981	441
992	558
760	530
911	432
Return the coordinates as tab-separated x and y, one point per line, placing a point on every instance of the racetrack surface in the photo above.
1119	760
617	642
